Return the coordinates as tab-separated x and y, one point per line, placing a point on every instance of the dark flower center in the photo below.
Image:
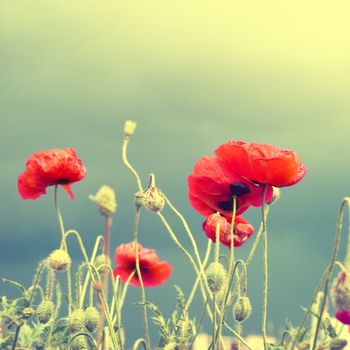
63	182
237	189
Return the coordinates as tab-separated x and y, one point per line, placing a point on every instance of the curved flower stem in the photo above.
138	342
84	335
339	229
139	275
99	239
64	247
106	251
256	242
103	298
128	165
264	311
195	286
36	281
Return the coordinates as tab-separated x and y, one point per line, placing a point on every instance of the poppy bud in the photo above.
105	200
216	277
129	128
79	343
139	199
91	318
340	292
45	311
76	321
59	260
220	295
27	312
153	199
242	309
100	263
337	344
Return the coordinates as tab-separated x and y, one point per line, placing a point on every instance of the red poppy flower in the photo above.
47	168
242	230
212	187
261	163
153	271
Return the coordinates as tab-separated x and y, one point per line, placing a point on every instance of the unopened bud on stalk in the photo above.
216	277
129	128
337	344
153	199
27	312
76	321
106	200
242	308
79	343
91	318
139	199
276	194
45	311
100	263
59	260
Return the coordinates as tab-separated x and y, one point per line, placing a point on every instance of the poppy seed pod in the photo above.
59	260
153	199
216	277
242	309
91	318
106	200
45	311
337	344
76	321
79	343
100	263
27	312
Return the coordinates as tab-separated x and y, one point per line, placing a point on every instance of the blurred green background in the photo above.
194	74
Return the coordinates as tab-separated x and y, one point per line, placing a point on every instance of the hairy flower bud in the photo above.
91	318
216	277
27	312
106	200
153	199
100	263
76	321
129	128
45	311
242	308
337	344
79	343
59	260
340	292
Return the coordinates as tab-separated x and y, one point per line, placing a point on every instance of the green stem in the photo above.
214	323
195	286
138	342
264	310
200	322
103	298
129	166
339	229
139	275
36	281
16	336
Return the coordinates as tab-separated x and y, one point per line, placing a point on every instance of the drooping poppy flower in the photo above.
340	294
261	163
48	168
242	229
211	188
153	271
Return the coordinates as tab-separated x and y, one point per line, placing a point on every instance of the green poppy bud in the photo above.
100	263
242	309
106	200
59	260
79	343
45	311
129	128
76	321
27	312
216	277
337	344
92	317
